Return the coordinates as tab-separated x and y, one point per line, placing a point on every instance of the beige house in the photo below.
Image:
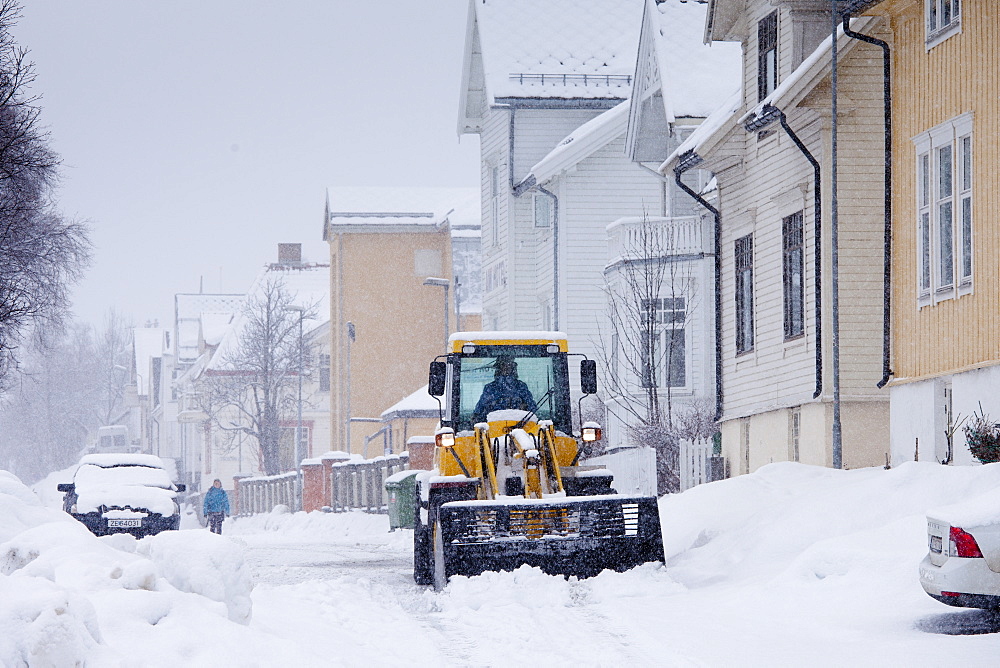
770	148
387	320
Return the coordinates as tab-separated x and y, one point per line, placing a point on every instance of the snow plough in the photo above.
507	488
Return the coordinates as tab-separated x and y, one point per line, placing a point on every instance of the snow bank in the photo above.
317	526
69	598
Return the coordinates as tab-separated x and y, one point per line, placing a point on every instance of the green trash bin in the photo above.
401	488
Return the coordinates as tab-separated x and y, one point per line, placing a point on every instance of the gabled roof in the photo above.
187	318
581	144
389	209
695	77
677	76
551	49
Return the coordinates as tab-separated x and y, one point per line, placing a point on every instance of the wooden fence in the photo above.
360	484
261	494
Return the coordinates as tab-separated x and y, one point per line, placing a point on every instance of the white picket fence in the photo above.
634	470
694	462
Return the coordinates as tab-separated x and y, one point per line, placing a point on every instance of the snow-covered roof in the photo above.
309	287
695	78
573	49
582	143
213	326
418	404
147	343
789	92
187	313
367	207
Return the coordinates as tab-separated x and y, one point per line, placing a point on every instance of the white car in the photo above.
962	566
123	493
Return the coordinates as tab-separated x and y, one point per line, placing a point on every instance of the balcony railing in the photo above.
639	238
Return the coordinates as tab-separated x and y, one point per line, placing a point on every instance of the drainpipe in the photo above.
687	161
768	114
887	248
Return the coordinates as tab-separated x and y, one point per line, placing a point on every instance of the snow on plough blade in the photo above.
562	536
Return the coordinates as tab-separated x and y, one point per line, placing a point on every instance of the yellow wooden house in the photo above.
945	297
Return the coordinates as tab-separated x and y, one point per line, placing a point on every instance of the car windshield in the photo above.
91	476
529	381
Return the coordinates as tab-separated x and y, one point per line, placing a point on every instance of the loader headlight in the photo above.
445	438
591	432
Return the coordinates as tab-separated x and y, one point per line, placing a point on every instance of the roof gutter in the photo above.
887	240
767	116
688	161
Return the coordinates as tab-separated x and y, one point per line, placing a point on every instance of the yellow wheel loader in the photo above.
507	488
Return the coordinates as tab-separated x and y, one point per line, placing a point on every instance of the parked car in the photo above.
123	493
962	566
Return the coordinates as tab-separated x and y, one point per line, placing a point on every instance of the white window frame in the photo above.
543	217
494	176
945	230
669	317
942	19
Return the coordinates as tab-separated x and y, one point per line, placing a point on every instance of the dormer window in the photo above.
943	19
767	55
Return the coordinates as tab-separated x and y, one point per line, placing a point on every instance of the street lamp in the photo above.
442	283
351	336
298	429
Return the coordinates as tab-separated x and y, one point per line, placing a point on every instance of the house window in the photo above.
767	55
744	294
324	372
944	211
943	19
791	237
495	203
543	210
664	360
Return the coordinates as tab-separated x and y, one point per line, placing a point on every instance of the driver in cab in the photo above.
504	392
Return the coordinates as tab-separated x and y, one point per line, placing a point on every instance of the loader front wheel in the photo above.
423	566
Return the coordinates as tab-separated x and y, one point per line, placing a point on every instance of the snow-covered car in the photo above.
962	566
123	493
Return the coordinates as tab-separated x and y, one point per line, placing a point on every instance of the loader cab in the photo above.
543	368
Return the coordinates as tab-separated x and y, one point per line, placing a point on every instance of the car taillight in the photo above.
963	544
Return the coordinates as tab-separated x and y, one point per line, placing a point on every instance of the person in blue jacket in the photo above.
505	391
216	506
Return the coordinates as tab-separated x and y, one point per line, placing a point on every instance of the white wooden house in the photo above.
533	74
678	82
778	385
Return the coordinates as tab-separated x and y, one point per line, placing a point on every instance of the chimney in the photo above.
290	254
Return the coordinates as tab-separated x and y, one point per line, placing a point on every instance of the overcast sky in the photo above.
198	134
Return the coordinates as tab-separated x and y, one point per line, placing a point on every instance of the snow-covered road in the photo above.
792	565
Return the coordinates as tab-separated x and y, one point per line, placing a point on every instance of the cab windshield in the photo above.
511	377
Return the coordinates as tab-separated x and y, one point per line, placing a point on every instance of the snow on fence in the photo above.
261	494
360	485
694	456
634	470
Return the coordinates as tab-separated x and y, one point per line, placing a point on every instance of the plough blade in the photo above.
578	536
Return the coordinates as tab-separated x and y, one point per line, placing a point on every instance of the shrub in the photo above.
982	435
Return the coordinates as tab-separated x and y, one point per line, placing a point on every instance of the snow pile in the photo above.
68	597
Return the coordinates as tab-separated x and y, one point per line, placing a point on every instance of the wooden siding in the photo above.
930	87
775	180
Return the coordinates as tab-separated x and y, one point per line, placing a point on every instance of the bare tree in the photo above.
49	410
112	353
642	345
40	252
253	389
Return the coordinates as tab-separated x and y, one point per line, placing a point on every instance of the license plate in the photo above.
936	544
124	523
